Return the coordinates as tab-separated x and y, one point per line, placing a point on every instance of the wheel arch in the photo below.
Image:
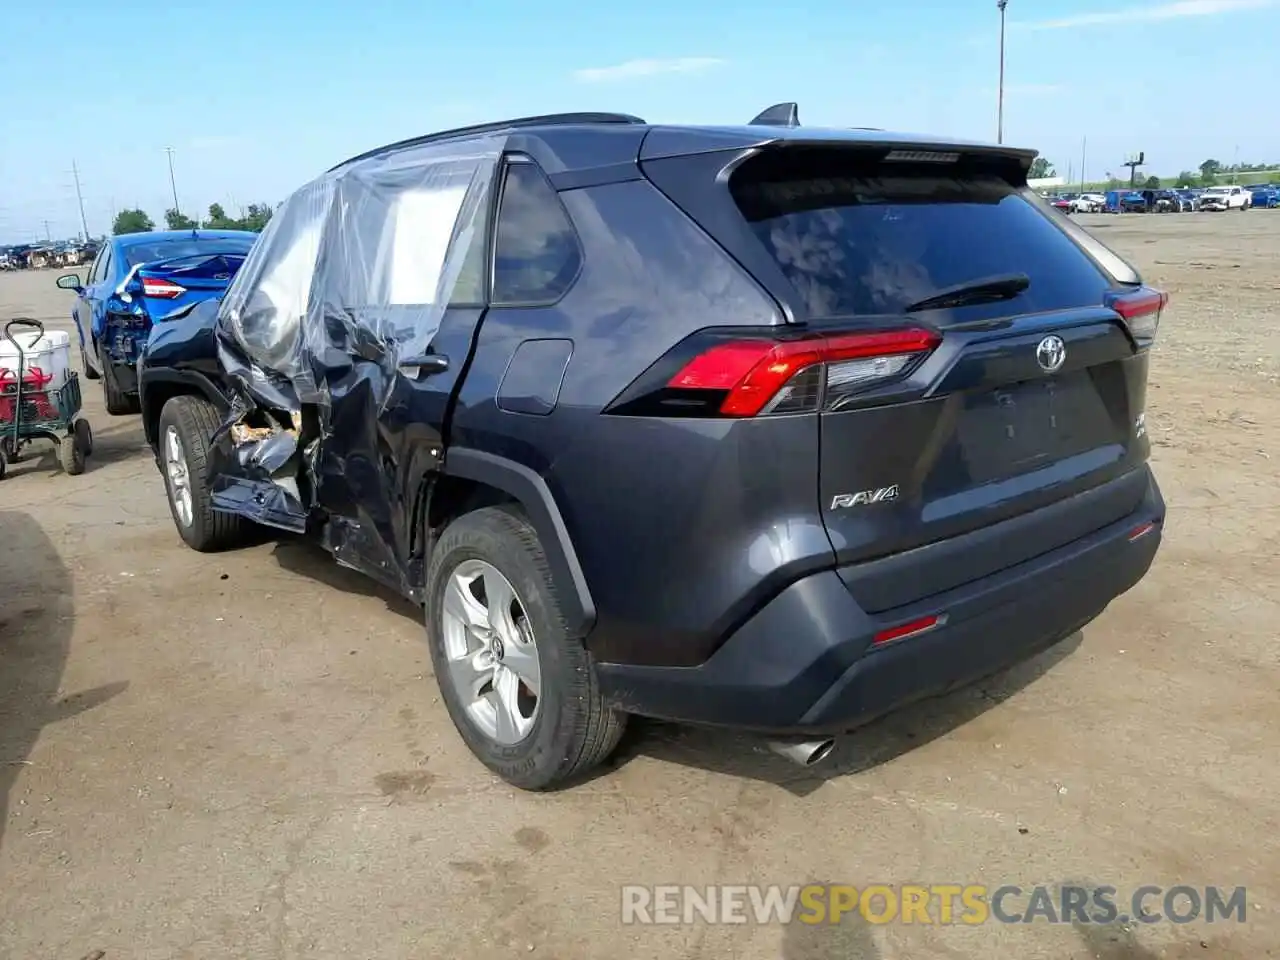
159	387
471	479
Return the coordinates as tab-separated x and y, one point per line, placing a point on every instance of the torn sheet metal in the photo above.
350	278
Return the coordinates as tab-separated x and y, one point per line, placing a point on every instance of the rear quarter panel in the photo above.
680	526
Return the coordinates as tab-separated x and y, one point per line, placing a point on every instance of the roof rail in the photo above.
779	115
550	119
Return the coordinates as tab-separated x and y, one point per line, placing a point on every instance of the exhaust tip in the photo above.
805	753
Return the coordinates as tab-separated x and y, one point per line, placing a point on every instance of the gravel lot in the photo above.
244	755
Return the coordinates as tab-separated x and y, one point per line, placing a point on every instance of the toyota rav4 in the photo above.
764	427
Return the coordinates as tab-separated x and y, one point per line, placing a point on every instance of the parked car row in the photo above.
1179	200
35	256
731	426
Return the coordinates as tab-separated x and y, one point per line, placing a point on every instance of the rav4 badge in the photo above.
864	498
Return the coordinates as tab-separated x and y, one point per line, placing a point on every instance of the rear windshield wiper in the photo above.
1004	286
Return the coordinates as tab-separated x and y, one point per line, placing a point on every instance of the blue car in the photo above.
139	279
1265	195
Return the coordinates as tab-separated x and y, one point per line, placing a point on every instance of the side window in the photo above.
536	250
96	265
104	266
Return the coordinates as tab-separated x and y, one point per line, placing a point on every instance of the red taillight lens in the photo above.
761	375
1140	310
161	289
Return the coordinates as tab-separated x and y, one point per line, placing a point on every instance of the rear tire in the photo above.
89	372
118	403
572	728
71	454
191	421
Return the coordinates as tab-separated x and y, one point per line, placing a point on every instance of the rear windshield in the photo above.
874	241
167	249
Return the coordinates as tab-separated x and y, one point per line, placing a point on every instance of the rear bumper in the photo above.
806	663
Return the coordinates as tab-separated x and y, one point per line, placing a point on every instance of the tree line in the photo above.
254	218
1208	174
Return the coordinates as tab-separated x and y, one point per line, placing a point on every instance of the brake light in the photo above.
161	289
764	376
1141	311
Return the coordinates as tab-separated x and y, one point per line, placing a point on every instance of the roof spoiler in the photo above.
779	115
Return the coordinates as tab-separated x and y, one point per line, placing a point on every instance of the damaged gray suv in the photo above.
762	427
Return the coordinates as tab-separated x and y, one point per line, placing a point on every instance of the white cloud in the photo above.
1166	11
645	68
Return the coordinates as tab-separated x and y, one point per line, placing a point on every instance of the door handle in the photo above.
415	368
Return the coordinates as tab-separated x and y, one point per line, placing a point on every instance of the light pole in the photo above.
172	182
1000	5
80	198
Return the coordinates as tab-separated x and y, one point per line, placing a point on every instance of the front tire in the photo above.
186	424
519	686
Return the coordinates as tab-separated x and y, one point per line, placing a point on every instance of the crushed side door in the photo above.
323	336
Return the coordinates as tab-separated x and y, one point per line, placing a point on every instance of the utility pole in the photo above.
1000	5
80	197
172	183
47	235
1083	143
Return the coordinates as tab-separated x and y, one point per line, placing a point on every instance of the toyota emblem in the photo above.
1051	354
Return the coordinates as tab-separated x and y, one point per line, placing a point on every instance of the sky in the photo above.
256	97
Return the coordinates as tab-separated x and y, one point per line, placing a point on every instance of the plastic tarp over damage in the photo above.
349	280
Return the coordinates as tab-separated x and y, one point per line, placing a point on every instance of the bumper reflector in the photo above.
910	629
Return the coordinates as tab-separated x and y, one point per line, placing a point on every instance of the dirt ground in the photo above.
245	755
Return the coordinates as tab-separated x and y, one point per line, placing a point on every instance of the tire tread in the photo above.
196	420
597	729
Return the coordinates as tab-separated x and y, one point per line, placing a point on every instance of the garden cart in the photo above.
40	396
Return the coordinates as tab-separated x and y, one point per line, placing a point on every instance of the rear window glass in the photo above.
166	249
874	241
536	253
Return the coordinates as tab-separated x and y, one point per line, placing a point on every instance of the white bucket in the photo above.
51	354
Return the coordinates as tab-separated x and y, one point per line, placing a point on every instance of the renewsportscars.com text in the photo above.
969	904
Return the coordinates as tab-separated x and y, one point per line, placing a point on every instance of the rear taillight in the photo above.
1140	310
747	378
161	289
